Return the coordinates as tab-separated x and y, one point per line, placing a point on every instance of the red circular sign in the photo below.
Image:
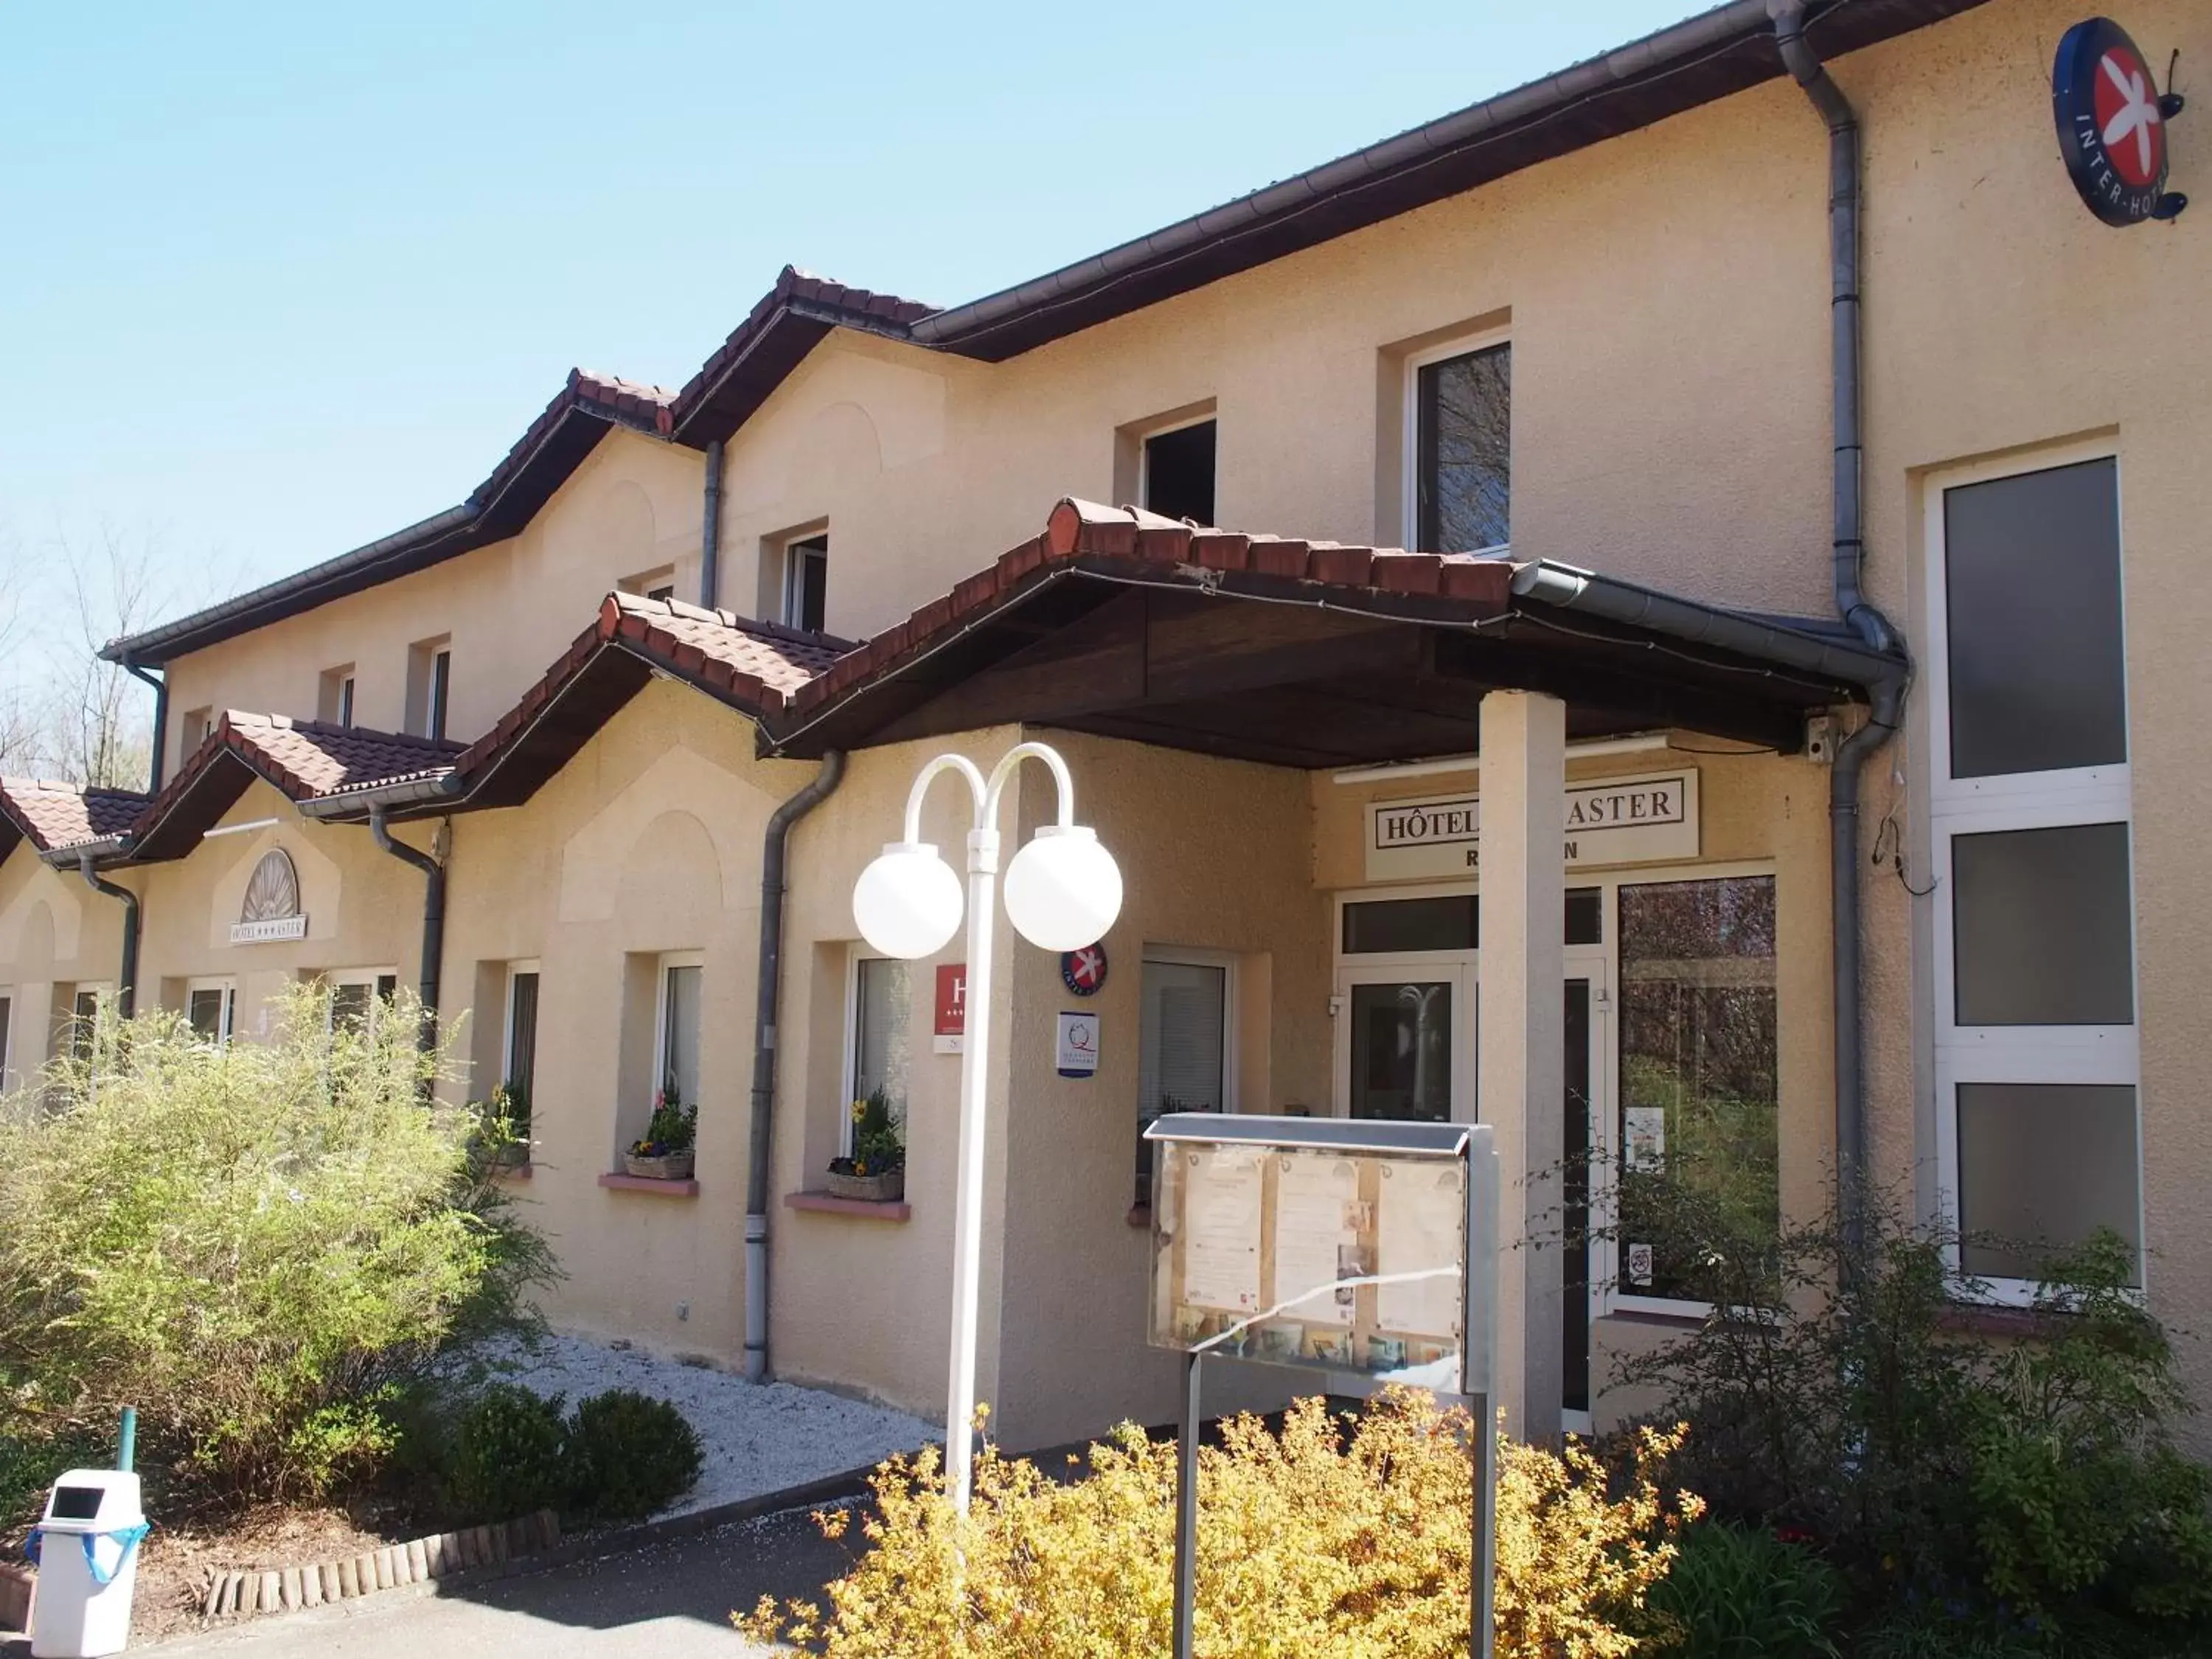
1083	971
2127	115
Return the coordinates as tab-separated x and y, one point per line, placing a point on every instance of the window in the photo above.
1175	475
1183	1054
519	1073
357	996
1460	472
207	1007
429	686
676	1041
7	1053
1451	922
334	699
1698	1080
199	726
83	1023
652	584
2037	1062
806	583
878	1049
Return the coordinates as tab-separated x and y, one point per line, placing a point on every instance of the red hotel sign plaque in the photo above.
951	1021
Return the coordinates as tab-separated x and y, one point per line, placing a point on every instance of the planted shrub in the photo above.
1309	1542
1738	1593
2026	1487
509	1455
253	1244
629	1455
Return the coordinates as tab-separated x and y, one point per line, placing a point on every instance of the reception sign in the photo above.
1640	820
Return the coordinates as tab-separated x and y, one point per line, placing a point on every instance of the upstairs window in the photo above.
652	584
199	724
1176	475
1462	449
806	583
429	686
2037	1057
334	699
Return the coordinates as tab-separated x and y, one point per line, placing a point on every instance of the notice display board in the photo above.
1304	1242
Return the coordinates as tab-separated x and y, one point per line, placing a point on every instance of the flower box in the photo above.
670	1166
885	1188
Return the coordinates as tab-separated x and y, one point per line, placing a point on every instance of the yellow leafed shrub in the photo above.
1309	1543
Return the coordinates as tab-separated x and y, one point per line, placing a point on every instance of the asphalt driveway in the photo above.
669	1600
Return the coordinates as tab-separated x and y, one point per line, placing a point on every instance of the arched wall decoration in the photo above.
271	908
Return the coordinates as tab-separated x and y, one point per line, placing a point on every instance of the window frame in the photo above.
795	548
514	971
2072	797
10	998
1409	504
849	1071
332	978
228	986
1144	437
1192	955
102	992
662	964
437	694
345	701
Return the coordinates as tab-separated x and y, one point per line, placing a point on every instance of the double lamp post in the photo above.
1063	891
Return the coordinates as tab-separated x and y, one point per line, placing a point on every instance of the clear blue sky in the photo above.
276	280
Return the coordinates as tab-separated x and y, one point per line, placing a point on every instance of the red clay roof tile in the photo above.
57	815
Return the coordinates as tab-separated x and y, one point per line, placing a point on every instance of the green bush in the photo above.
630	1455
2027	1485
1735	1593
509	1455
253	1244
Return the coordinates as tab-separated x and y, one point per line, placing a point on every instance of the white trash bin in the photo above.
87	1548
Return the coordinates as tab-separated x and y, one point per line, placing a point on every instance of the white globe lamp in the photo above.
907	903
1063	890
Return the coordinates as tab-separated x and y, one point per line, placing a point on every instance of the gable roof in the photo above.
54	816
1701	60
306	760
753	667
1122	623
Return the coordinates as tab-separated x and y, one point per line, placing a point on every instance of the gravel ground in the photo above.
758	1437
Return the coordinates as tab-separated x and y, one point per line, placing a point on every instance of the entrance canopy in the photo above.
1311	655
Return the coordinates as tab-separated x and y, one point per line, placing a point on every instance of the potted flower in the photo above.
877	1169
664	1153
508	1115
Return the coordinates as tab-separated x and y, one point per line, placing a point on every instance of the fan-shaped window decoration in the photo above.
273	894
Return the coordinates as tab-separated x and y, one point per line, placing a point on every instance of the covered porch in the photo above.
1401	675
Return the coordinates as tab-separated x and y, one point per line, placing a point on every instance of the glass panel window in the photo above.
679	1033
1393	926
1179	472
2042	1166
1463	472
2043	919
882	1017
207	1009
2037	672
806	584
522	1037
1401	1050
1698	1130
1183	1049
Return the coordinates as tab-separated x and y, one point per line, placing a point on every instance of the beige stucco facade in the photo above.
1666	295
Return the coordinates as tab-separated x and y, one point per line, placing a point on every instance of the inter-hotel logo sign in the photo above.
1619	821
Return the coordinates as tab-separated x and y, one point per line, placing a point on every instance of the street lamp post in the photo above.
1063	891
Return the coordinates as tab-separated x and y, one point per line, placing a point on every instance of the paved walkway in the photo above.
669	1601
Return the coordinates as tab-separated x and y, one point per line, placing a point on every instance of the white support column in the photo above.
1522	1031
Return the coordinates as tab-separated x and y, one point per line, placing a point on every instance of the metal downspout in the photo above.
770	981
154	769
126	995
710	531
1849	556
434	917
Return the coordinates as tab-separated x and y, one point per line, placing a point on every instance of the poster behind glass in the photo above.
1338	1261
